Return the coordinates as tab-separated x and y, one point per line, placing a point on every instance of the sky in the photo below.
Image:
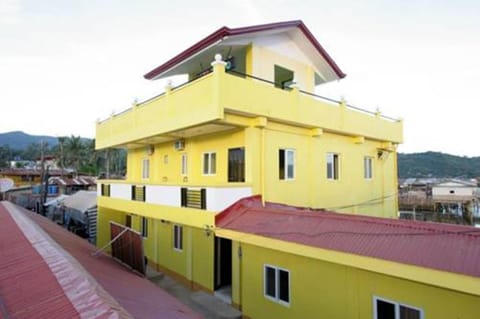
66	64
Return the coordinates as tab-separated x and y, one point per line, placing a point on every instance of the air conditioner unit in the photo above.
179	145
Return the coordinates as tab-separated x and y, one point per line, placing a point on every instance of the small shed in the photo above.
81	214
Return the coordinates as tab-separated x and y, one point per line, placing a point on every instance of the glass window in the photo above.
385	309
270	282
177	237
184	165
286	164
236	164
209	163
145	169
332	166
277	284
283	77
144	227
367	167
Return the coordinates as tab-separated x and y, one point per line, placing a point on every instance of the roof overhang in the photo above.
230	40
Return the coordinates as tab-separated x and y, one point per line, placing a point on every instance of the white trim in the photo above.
397	307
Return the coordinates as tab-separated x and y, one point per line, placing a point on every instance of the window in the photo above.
385	309
286	164
184	170
283	77
209	163
177	237
368	167
236	164
144	227
332	166
128	221
145	169
277	284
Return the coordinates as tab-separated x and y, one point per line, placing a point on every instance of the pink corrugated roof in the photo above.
70	282
444	247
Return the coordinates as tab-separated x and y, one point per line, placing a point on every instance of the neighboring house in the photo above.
72	185
48	272
27	176
80	214
247	123
287	262
455	190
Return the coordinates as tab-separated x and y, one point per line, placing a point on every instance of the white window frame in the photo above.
144	225
397	307
211	170
286	175
368	167
184	164
331	159
177	237
276	298
145	168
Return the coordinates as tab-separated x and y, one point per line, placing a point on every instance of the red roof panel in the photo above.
444	247
30	287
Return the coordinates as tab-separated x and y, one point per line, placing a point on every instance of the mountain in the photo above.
435	164
19	140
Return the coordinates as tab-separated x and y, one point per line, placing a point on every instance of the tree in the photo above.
74	152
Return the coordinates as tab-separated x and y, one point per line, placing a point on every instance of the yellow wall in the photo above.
104	216
310	188
165	162
326	290
351	193
194	262
265	59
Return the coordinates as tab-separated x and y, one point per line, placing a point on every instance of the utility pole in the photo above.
43	190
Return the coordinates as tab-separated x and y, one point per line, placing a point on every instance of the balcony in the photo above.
210	199
199	107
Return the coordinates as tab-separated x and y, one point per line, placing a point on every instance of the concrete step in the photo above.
217	308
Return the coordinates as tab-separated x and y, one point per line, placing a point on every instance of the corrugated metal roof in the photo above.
444	247
64	181
48	272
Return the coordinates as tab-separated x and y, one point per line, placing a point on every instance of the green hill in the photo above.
435	164
18	140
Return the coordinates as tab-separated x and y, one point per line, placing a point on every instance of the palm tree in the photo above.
74	150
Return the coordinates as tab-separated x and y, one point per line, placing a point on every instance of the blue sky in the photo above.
65	64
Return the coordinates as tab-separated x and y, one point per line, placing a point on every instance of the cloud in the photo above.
10	11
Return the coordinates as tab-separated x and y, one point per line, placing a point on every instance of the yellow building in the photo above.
287	262
247	122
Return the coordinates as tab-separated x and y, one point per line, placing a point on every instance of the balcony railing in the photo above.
206	100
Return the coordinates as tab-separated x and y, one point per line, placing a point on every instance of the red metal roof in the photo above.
225	32
48	272
438	246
